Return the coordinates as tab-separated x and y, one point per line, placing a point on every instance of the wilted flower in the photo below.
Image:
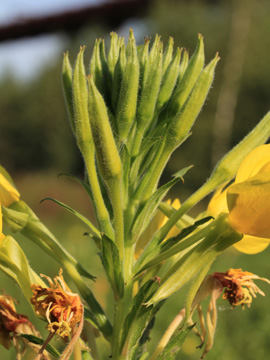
12	325
61	307
239	289
248	201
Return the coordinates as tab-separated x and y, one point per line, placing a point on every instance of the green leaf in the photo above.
77	214
175	344
84	184
150	207
38	341
14	219
112	265
184	233
139	316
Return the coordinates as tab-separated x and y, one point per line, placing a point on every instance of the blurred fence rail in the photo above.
112	13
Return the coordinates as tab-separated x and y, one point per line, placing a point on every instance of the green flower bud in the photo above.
181	124
144	60
67	87
108	158
189	79
80	101
118	76
96	66
149	96
168	54
168	82
183	66
127	104
113	56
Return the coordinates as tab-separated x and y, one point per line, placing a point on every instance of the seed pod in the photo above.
168	82
67	86
80	101
118	76
108	158
189	79
168	54
181	124
126	109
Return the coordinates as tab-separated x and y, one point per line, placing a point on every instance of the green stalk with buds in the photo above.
129	110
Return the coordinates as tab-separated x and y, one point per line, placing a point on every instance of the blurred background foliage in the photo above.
36	144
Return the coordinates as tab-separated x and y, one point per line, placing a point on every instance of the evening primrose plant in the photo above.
129	110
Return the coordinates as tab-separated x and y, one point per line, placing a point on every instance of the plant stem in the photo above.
101	210
168	334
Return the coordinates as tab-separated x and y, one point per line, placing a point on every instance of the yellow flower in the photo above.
1	224
157	222
8	193
246	191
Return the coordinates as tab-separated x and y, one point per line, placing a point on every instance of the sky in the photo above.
25	57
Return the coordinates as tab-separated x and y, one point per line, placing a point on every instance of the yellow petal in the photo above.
1	224
251	244
249	206
218	203
8	193
255	162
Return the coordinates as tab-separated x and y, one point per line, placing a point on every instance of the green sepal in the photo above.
14	264
112	265
77	214
38	341
175	343
14	219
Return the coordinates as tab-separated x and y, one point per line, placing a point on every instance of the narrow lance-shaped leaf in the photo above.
78	215
111	262
150	207
36	340
201	257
